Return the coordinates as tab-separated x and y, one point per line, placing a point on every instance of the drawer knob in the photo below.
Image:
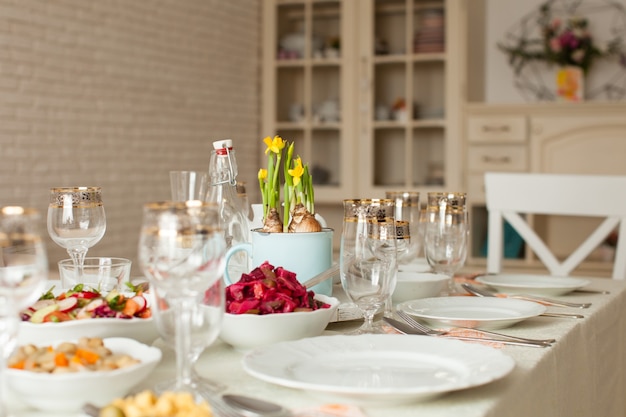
496	159
496	128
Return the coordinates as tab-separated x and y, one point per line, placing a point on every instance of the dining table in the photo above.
582	374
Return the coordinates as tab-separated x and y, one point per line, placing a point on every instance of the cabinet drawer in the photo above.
497	158
476	188
497	129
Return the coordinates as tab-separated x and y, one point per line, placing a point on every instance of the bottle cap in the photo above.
224	143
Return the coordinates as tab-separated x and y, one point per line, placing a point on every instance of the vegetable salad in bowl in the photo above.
82	302
85	311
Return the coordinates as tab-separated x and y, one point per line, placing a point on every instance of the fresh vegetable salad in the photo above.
82	302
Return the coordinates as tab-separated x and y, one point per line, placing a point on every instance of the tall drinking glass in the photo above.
407	210
189	185
23	272
181	252
368	259
407	214
76	220
446	234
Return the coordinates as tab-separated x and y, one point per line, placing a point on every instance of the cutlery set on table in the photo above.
499	301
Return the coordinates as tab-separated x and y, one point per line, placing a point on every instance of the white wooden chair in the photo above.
509	195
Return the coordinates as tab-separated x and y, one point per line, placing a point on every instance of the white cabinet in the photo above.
369	90
307	86
581	138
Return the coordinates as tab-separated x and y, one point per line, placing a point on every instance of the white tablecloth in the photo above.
583	374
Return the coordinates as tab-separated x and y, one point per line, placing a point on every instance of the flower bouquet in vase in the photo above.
290	236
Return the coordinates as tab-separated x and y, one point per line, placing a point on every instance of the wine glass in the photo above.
368	256
446	234
407	211
23	272
205	327
76	221
407	214
181	252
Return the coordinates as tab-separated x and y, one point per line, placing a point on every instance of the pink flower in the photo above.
556	23
568	40
555	45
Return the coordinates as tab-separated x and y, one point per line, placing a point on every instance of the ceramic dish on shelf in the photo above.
473	312
532	284
377	369
69	391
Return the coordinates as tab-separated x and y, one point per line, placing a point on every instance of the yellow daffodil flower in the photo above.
262	175
297	171
275	145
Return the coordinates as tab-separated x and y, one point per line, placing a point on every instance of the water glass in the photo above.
368	258
102	273
407	209
181	252
23	272
189	185
76	220
446	234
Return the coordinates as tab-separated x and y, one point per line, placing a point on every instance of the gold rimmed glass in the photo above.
23	272
368	259
446	233
76	220
181	252
407	209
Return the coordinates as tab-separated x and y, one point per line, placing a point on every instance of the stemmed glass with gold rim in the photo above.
368	259
76	221
446	233
181	252
23	272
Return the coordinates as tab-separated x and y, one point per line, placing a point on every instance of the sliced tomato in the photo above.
84	294
57	317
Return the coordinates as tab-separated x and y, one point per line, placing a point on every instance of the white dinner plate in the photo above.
473	312
532	284
377	369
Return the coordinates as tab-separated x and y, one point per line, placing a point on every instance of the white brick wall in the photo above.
116	93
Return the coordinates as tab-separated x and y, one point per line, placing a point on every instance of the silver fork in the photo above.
416	324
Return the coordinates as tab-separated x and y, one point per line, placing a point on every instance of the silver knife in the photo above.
486	293
406	329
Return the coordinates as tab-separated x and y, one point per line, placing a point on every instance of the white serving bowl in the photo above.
414	285
247	331
142	330
70	391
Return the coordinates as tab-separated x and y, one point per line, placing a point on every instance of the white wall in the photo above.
115	93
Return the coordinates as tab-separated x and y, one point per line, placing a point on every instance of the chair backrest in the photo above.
510	195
